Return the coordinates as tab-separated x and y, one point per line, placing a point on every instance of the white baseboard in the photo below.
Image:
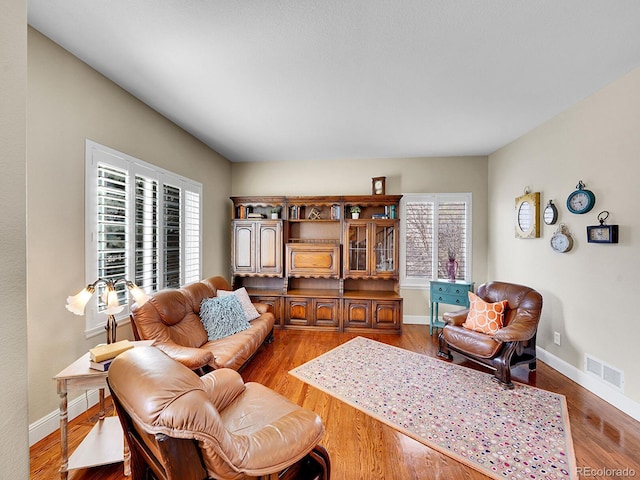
51	422
415	319
591	383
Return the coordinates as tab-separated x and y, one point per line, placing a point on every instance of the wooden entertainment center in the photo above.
316	266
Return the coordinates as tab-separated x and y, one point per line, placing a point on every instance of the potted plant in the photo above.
355	211
274	213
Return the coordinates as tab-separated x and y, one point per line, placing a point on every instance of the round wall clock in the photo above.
581	200
561	241
550	213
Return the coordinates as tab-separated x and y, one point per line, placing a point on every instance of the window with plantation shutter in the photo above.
171	236
192	237
112	227
143	224
146	231
435	227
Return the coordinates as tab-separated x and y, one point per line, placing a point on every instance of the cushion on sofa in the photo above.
222	316
245	301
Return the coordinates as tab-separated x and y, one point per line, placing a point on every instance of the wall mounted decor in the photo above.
602	233
550	214
562	241
528	215
581	200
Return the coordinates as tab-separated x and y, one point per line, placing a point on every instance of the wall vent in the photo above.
612	376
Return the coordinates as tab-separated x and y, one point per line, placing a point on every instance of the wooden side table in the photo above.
451	293
105	443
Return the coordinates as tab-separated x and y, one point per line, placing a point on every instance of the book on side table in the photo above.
100	366
109	351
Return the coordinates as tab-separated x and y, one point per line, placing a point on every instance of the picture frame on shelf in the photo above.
378	185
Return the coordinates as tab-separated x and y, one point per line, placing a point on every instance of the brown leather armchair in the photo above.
183	427
513	344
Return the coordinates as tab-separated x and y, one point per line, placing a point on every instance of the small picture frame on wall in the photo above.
377	185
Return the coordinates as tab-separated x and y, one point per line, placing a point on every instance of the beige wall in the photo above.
69	102
589	292
404	175
14	446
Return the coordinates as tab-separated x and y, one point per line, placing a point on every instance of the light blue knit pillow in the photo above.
222	316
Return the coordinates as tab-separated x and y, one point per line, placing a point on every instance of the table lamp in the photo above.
77	303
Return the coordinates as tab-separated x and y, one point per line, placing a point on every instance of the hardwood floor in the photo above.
362	448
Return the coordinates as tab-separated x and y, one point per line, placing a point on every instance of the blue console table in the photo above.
451	293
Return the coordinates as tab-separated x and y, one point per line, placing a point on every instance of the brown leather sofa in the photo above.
180	426
513	344
171	318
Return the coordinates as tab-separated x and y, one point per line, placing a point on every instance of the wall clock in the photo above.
550	213
602	233
561	241
581	200
528	215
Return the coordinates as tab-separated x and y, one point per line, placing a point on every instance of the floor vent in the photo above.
612	376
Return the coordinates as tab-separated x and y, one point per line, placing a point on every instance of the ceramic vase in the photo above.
452	269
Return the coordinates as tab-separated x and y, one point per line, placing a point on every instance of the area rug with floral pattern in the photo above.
521	433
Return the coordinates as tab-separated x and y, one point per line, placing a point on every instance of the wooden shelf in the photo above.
103	445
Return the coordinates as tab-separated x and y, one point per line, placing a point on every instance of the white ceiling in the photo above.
340	79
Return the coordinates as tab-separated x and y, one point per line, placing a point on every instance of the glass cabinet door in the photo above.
358	248
384	249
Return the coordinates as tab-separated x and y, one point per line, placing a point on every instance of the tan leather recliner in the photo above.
182	426
513	344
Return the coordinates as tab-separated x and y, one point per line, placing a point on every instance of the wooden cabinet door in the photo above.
256	247
313	260
269	247
387	314
326	312
298	311
356	313
243	247
273	303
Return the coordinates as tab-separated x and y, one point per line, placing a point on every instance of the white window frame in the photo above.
435	198
96	154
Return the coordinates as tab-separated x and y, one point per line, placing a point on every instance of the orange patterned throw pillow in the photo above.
485	317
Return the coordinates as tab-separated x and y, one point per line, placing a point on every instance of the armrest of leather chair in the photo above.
193	358
455	318
223	386
523	327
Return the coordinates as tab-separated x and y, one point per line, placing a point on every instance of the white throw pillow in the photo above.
242	295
